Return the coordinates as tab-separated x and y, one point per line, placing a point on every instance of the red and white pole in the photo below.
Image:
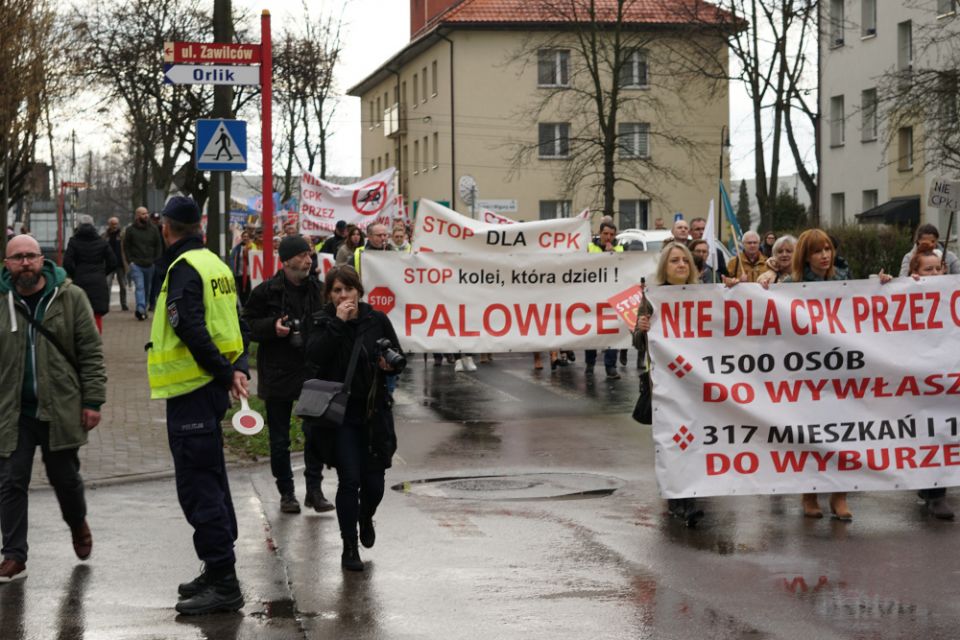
61	206
266	88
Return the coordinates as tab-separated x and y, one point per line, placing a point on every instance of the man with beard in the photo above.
142	246
54	382
278	312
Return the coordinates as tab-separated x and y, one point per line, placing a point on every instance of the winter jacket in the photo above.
61	391
752	269
142	245
953	264
115	240
281	368
88	260
329	344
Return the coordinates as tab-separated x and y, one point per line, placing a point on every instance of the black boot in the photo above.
316	501
195	586
350	560
368	534
222	594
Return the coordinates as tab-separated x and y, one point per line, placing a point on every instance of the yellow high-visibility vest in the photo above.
170	366
593	248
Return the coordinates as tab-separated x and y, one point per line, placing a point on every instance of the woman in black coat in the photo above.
88	260
362	447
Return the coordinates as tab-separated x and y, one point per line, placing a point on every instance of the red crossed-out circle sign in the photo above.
382	299
369	199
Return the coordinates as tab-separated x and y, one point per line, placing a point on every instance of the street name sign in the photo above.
211	74
221	145
211	53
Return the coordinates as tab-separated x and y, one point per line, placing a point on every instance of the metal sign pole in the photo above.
223	212
266	141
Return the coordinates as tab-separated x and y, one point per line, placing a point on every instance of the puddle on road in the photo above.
516	487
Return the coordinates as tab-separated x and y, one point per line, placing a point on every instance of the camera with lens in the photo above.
394	359
296	336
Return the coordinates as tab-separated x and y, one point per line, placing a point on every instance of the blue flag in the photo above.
728	210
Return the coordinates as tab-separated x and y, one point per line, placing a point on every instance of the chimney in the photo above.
422	11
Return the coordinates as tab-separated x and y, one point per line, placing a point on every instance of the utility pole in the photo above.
217	223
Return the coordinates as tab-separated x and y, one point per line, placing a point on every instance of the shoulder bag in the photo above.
324	403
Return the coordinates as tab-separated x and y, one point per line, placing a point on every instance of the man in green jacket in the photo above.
53	384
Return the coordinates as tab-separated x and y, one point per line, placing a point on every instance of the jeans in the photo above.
360	483
609	358
63	470
278	424
121	275
142	282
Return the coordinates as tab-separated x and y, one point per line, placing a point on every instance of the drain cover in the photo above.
527	486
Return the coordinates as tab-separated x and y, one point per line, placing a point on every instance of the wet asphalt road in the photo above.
571	542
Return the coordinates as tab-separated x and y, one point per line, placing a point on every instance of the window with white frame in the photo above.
905	46
905	149
868	18
870	199
553	67
634	140
634	214
633	73
868	115
836	23
550	209
837	128
554	139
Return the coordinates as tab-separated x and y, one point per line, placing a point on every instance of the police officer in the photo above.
377	239
605	242
278	312
196	361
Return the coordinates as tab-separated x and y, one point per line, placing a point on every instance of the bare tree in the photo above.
305	58
28	32
773	43
593	71
919	97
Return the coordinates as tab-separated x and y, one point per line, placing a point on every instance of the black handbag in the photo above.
324	403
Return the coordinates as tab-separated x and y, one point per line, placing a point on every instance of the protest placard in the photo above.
323	204
808	387
490	303
325	262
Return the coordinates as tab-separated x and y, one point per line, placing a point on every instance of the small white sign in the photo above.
944	194
212	74
498	206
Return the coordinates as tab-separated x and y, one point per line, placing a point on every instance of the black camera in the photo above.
296	336
394	359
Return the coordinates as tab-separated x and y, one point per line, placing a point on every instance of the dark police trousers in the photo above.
196	442
63	470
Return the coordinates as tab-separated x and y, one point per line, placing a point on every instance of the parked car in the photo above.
653	240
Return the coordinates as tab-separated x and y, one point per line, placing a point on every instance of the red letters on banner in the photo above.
551	319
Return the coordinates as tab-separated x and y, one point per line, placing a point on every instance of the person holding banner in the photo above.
352	241
781	262
676	267
749	264
605	242
362	447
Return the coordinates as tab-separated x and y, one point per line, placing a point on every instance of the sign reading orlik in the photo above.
211	74
817	387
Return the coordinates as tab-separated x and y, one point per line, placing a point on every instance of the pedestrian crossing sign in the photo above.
221	145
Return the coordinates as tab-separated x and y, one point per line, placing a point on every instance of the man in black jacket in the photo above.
332	244
277	312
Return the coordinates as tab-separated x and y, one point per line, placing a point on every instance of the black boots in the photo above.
316	501
208	594
367	533
350	560
685	509
288	503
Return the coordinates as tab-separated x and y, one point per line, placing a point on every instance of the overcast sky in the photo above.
373	31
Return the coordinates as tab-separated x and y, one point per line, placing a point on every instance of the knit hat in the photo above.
292	246
341	225
182	209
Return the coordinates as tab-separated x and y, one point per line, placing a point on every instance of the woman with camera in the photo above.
362	447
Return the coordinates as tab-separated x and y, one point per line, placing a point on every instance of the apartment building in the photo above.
868	171
453	107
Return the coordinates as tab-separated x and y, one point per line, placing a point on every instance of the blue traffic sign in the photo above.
221	145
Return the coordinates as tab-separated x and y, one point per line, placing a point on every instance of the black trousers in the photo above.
63	471
278	424
196	442
360	479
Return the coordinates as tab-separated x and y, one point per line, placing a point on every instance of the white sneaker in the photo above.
469	364
458	365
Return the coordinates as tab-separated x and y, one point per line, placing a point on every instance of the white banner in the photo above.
817	387
489	303
444	230
325	262
493	217
323	204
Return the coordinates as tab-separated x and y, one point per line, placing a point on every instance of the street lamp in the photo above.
724	145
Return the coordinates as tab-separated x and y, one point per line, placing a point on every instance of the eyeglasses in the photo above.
24	257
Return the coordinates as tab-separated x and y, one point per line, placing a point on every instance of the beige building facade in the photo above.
487	115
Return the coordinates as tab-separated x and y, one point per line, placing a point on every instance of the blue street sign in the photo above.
221	145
